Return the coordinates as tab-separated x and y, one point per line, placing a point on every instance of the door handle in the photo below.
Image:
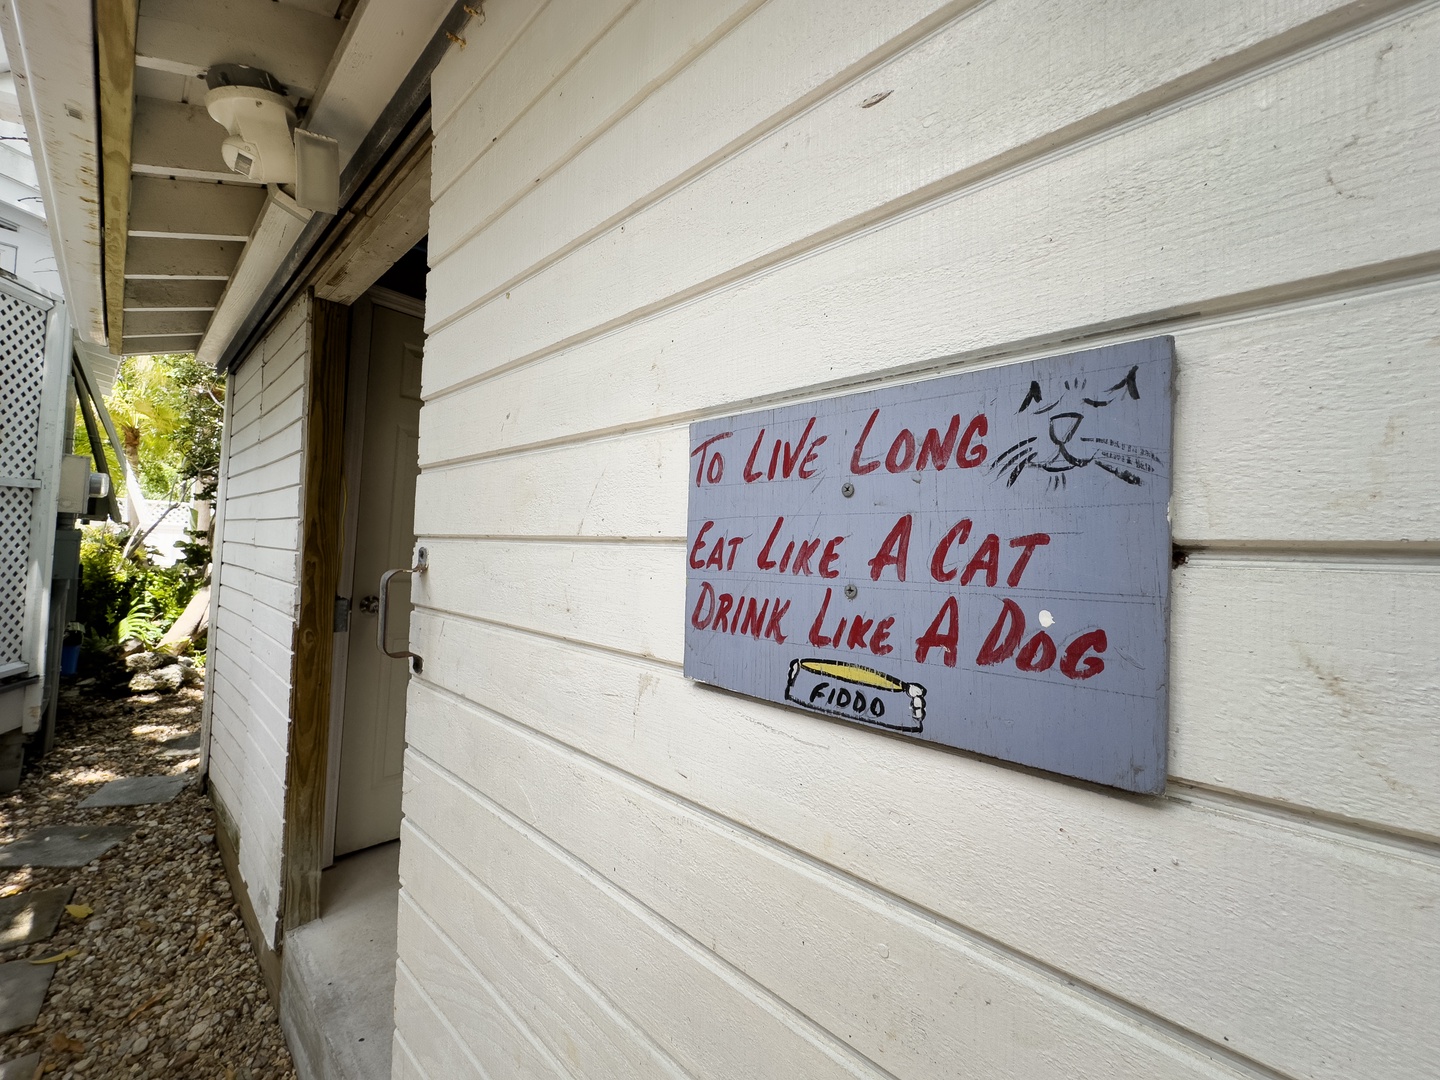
422	563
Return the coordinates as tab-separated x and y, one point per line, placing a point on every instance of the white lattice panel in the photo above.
15	504
22	370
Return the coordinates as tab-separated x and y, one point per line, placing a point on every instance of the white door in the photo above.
372	734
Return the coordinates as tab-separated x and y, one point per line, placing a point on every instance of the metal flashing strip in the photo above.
395	128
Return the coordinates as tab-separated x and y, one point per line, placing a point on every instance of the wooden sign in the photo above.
981	560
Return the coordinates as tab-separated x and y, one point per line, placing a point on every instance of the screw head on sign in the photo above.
851	592
847	489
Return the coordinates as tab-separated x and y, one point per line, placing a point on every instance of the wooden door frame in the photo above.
313	645
357	395
357	384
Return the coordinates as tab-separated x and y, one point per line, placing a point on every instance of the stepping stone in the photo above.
22	1068
136	791
22	992
31	916
183	742
62	845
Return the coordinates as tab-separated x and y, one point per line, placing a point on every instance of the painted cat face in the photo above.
1071	422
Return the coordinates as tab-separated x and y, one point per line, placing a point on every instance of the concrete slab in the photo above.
136	791
183	742
62	845
339	972
21	1068
31	916
22	992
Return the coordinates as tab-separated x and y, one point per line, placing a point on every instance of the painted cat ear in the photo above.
1128	385
1033	397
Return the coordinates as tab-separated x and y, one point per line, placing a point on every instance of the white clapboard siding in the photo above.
1341	725
963	101
936	996
595	925
403	1062
494	948
1311	683
508	77
649	42
978	269
439	1050
647	213
250	655
1359	469
486	44
1216	918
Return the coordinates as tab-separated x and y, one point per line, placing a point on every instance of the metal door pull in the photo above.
422	563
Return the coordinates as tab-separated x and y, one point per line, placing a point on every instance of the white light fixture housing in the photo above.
259	122
262	142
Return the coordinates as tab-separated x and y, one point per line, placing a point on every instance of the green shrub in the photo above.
128	597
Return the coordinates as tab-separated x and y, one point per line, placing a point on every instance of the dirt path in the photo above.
163	984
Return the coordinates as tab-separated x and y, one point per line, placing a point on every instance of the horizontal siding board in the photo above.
627	486
1310	683
280	533
767	64
665	244
461	72
280	503
242	438
1279	391
279	625
572	1016
933	997
245	376
276	593
669	985
438	1047
284	473
243	420
649	41
970	94
287	383
1156	195
559	34
250	653
240	531
266	452
1342	725
271	562
281	414
282	338
1215	918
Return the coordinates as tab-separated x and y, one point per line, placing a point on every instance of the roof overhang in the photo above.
160	247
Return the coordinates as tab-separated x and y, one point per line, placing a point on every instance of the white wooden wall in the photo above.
250	650
648	211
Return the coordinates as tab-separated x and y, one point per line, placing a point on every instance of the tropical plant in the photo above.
124	597
168	409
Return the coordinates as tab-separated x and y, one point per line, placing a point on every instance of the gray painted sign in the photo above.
981	560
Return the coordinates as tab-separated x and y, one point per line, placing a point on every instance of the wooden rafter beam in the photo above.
172	294
199	259
161	344
179	140
193	210
186	37
143	323
115	26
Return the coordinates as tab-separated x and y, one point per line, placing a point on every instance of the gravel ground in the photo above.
164	984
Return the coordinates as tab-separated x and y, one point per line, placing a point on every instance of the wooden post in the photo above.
115	28
320	557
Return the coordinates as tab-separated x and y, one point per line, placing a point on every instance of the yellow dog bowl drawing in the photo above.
856	693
